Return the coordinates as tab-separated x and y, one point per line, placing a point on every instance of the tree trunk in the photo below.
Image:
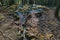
11	2
57	10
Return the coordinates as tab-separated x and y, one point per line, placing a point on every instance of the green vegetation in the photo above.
42	2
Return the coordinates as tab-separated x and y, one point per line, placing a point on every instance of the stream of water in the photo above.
22	20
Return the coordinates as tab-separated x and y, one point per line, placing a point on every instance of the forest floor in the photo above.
47	24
